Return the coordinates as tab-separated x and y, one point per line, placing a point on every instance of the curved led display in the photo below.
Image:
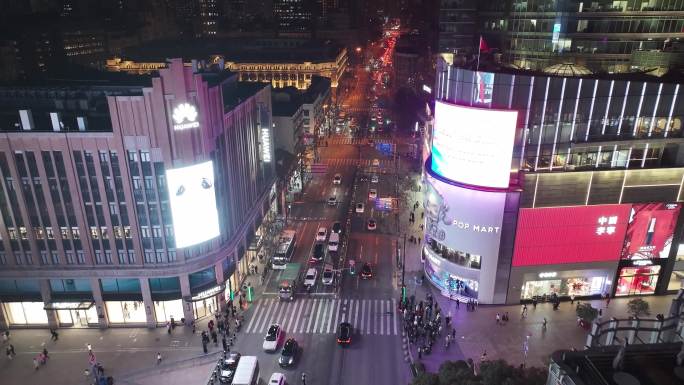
473	145
193	203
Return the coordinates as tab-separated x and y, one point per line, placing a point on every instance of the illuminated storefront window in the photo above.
25	313
124	312
80	317
563	287
676	280
458	257
637	280
165	310
446	281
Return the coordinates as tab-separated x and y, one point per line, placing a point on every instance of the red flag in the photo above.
483	45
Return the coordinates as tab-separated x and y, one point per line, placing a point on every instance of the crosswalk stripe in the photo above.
356	313
368	319
264	314
388	316
264	318
337	314
381	316
289	311
256	311
394	306
298	318
318	313
330	314
362	324
275	318
311	315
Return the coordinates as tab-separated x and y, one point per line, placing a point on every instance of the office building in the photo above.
131	200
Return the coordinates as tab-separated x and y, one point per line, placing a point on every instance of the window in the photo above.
108	257
99	259
168	229
18	258
148	183
28	257
75	233
3	258
65	232
23	233
127	232
113	209
44	258
172	255
121	254
160	256
118	233
70	257
156	231
81	257
136	183
104	232
103	156
132	156
94	233
55	257
144	156
145	231
40	234
149	256
131	256
12	233
49	233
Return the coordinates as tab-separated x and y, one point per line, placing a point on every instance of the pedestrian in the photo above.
453	334
89	347
224	343
86	374
55	335
9	353
159	358
168	327
45	352
36	364
544	324
421	227
420	353
214	337
498	318
572	299
506	317
458	303
524	311
303	378
11	349
5	336
483	357
607	299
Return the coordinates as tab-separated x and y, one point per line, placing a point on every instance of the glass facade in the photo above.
580	286
126	312
458	257
166	310
637	280
25	313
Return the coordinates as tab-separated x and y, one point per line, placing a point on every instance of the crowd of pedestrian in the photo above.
220	326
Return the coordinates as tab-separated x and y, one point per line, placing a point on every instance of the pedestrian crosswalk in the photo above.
348	140
382	163
323	315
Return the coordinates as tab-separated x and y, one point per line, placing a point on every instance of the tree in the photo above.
637	307
586	312
455	372
498	373
426	379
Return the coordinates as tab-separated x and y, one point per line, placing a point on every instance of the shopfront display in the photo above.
676	280
164	311
637	280
25	313
74	313
440	274
650	230
205	303
126	312
577	286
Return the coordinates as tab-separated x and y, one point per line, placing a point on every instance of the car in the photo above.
228	366
337	179
360	208
272	338
277	379
376	163
363	178
366	271
318	253
332	201
321	234
336	228
288	356
328	275
310	277
372	194
344	333
374	179
372	225
334	242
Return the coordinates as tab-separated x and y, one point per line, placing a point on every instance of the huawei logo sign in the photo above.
185	112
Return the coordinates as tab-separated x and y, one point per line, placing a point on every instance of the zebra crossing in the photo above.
323	315
348	140
356	162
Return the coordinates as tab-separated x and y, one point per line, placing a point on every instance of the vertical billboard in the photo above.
650	230
473	146
559	235
193	203
484	87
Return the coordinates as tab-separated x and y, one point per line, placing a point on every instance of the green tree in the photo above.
426	379
637	307
499	373
455	372
586	312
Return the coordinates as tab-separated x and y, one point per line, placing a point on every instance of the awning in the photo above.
205	294
82	305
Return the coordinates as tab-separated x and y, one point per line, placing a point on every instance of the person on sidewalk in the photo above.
159	358
544	324
458	303
5	336
45	351
54	335
498	318
89	347
11	349
36	364
9	353
483	357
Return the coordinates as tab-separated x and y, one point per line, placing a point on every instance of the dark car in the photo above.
288	356
363	178
366	271
344	334
318	253
228	366
337	228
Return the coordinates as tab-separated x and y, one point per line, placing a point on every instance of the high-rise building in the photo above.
603	35
209	13
132	201
294	17
457	19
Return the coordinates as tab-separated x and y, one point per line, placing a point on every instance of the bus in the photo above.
247	372
286	246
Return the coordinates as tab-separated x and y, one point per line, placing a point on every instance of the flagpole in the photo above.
479	48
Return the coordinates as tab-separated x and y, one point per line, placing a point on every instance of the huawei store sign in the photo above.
185	117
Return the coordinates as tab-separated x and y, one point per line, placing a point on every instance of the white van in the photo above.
333	241
247	372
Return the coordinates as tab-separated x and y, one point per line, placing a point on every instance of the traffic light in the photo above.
250	293
403	295
352	267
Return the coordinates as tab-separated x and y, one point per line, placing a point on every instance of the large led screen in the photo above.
650	231
463	219
473	145
557	235
193	203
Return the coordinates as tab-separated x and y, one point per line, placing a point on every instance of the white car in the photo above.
277	379
337	179
372	194
272	338
360	208
310	277
328	276
376	163
374	179
321	234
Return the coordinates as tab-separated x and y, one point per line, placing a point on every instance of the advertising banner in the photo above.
193	203
557	235
473	145
464	219
650	230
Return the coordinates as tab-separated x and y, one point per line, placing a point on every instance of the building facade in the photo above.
573	187
132	204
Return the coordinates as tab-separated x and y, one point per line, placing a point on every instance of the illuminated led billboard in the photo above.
650	231
557	235
473	145
193	203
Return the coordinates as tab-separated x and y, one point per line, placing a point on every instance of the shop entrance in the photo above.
77	318
204	307
637	280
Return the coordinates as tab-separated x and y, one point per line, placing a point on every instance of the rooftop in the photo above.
237	50
235	92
